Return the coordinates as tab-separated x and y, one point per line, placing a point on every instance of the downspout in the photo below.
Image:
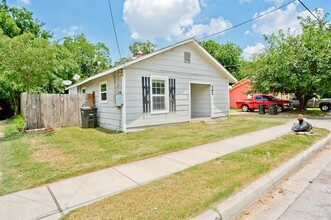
124	100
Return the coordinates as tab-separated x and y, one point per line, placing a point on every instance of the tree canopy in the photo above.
145	47
16	21
298	64
30	62
91	58
229	55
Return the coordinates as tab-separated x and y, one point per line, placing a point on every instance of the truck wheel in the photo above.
325	107
279	108
244	108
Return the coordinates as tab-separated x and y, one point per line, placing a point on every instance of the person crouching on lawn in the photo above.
302	125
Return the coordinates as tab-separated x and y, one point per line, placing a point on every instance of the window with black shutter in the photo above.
146	94
172	95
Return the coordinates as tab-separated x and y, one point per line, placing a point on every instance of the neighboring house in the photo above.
171	85
242	90
239	91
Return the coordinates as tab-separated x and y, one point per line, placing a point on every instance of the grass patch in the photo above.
312	112
29	160
190	192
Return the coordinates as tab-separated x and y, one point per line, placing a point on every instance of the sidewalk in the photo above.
304	195
234	206
54	200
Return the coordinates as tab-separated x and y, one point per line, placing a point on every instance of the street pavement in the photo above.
305	195
233	207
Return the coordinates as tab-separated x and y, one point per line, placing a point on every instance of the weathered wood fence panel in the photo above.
52	110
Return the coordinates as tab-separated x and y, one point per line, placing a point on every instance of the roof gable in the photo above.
240	83
147	56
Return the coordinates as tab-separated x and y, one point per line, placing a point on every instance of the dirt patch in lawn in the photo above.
50	156
45	154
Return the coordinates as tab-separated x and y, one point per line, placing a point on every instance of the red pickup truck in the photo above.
251	104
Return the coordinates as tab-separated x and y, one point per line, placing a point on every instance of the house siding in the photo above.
171	64
240	92
108	115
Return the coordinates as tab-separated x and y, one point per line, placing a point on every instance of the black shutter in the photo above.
172	95
146	94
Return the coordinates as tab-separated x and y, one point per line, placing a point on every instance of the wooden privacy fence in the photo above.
52	110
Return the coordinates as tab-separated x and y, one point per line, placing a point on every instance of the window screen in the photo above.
187	57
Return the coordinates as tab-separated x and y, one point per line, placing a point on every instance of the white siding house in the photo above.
171	85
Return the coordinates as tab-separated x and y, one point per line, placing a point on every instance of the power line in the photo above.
112	20
252	19
311	13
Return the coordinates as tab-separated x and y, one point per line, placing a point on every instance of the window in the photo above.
84	90
267	98
258	98
187	57
103	92
159	94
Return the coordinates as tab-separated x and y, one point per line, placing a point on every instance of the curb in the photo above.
235	205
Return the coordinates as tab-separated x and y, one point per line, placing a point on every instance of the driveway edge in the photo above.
235	205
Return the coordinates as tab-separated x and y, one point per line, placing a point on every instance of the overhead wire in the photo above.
250	20
311	13
112	20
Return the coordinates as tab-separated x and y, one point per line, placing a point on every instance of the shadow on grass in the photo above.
17	135
314	112
107	131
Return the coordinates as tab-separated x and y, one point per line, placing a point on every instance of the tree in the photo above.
91	58
145	47
229	55
64	68
16	21
298	64
27	65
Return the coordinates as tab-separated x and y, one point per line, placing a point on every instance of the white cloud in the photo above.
203	3
25	2
148	19
280	19
247	32
71	31
250	51
215	25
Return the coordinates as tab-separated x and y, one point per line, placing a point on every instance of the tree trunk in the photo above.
303	101
17	105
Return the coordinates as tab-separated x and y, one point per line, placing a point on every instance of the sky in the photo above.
166	22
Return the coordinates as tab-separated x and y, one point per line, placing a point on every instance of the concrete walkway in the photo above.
234	206
54	200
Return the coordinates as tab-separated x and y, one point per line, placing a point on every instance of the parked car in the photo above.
323	104
253	103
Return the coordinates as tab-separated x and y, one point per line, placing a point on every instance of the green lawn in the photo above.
192	191
29	160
